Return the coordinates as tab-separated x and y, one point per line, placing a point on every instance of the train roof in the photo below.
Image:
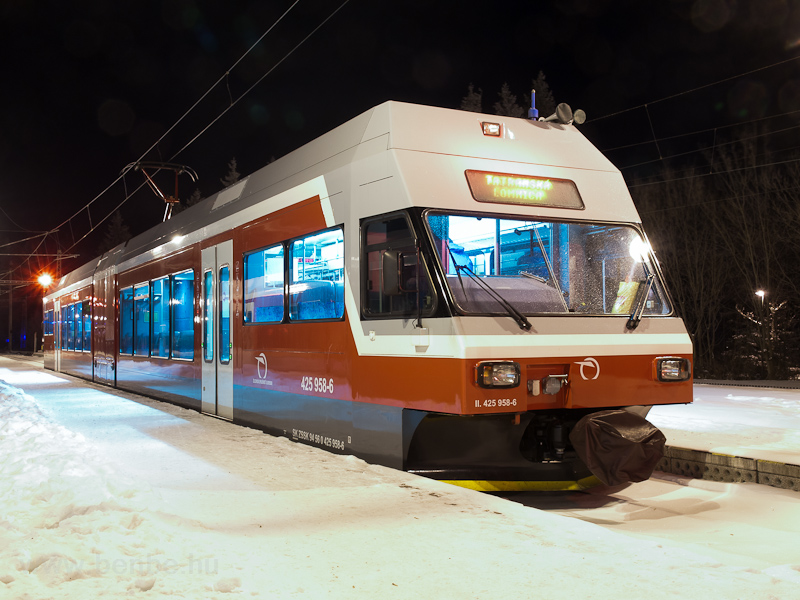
421	139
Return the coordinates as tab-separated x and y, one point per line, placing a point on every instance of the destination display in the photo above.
506	188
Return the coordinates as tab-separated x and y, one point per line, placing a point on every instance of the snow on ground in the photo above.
104	496
762	423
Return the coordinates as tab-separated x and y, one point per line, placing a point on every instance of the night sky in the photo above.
89	85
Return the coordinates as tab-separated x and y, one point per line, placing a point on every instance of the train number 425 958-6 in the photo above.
317	384
494	403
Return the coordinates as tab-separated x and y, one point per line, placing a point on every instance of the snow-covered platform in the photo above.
106	494
735	432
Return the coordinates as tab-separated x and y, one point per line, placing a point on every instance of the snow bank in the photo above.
75	525
754	423
67	516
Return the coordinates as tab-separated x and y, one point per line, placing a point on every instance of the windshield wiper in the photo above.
513	312
640	301
532	276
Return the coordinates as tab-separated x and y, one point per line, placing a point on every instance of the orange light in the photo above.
492	129
45	280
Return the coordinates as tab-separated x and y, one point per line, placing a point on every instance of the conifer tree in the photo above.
116	233
473	101
190	201
232	176
507	105
545	102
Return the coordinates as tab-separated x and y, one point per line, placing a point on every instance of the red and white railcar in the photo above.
434	290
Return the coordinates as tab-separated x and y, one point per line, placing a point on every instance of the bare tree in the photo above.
757	219
675	211
723	234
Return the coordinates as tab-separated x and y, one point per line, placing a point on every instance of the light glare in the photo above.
639	249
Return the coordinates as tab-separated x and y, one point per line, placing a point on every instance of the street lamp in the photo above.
761	294
45	280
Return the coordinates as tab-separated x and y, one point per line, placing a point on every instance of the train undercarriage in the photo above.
548	450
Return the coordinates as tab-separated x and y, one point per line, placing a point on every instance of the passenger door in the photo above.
217	342
57	335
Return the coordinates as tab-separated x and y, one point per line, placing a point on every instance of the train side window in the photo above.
159	340
48	322
141	320
62	318
126	321
224	308
389	243
316	287
263	285
78	317
183	315
208	316
87	326
71	327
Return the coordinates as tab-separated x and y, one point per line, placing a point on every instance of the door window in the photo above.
208	316
183	315
224	315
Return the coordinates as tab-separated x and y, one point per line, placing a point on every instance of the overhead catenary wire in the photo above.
698	88
655	140
771	164
714	146
155	144
700	131
224	77
726	199
13	222
224	111
275	66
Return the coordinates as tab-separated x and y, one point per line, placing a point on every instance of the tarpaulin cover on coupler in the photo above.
618	446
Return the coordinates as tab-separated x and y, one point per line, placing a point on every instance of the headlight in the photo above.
503	374
673	369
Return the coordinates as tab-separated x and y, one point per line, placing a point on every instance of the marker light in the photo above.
639	249
671	368
503	374
492	129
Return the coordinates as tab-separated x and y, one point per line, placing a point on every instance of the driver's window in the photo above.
393	276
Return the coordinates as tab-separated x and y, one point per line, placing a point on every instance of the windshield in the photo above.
546	267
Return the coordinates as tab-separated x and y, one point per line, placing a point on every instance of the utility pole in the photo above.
10	304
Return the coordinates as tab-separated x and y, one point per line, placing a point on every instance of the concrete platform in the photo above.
735	432
732	432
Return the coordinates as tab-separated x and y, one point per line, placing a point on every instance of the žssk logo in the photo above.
592	365
261	363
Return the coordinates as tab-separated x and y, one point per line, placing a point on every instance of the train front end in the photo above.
558	316
567	340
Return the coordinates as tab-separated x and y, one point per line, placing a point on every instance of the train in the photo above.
465	296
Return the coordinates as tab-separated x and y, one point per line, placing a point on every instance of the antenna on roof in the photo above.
533	113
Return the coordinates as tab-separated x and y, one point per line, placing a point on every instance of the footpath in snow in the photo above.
104	495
